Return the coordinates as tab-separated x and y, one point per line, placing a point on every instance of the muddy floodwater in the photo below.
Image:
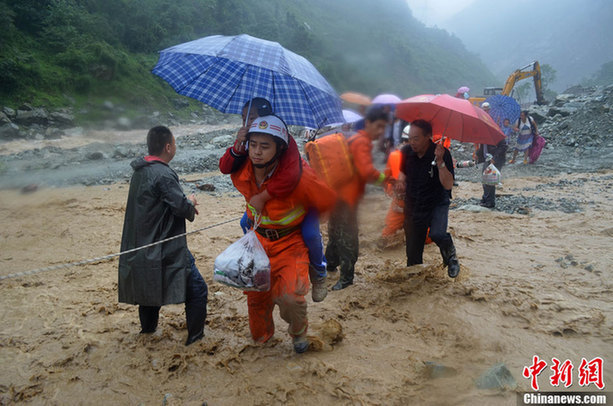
536	279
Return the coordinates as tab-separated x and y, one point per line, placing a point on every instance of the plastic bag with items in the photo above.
491	176
244	265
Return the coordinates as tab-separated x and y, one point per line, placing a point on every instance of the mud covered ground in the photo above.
535	281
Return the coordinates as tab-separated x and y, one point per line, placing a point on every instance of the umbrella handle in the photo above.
248	113
441	141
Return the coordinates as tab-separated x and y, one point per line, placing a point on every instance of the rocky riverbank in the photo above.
578	128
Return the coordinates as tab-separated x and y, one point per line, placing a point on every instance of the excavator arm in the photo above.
519	74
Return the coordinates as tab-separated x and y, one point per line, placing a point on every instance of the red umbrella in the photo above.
452	117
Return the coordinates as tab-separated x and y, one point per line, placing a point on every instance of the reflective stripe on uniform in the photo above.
380	179
290	217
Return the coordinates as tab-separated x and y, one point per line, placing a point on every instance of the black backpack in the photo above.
530	120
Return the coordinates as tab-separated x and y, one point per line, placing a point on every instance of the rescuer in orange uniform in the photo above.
343	241
394	220
279	231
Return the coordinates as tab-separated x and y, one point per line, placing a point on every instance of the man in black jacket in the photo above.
426	179
164	273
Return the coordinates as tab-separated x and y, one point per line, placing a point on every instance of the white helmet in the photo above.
271	125
485	105
405	132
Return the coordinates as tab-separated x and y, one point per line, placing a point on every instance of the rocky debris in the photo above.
34	123
4	119
94	156
569	260
578	128
582	119
33	116
9	131
223	141
103	163
520	204
579	90
497	377
10	113
62	119
127	151
206	187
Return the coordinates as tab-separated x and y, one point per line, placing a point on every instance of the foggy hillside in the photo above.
573	36
78	48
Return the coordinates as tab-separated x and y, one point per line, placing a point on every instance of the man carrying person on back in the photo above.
279	186
279	230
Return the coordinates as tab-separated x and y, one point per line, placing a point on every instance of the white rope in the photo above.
107	257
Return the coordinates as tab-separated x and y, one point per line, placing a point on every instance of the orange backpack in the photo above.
329	156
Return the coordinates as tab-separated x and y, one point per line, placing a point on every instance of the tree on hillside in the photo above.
548	76
603	77
108	48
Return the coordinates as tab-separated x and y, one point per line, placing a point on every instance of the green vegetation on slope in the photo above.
58	50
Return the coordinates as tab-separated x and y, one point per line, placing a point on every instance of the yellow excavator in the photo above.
531	70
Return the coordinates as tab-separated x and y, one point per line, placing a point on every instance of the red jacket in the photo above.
290	165
310	192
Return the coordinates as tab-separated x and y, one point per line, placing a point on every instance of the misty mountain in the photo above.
573	36
93	48
387	50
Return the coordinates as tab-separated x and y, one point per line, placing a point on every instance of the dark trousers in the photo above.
343	243
489	191
416	228
196	297
489	195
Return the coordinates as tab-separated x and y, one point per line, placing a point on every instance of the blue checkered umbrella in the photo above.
502	107
225	72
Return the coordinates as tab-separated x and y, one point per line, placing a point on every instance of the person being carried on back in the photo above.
280	185
278	230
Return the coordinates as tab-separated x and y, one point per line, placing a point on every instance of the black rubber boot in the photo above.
450	260
149	316
194	338
444	255
341	285
196	317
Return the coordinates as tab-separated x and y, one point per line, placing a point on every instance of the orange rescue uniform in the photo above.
288	255
394	220
360	147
